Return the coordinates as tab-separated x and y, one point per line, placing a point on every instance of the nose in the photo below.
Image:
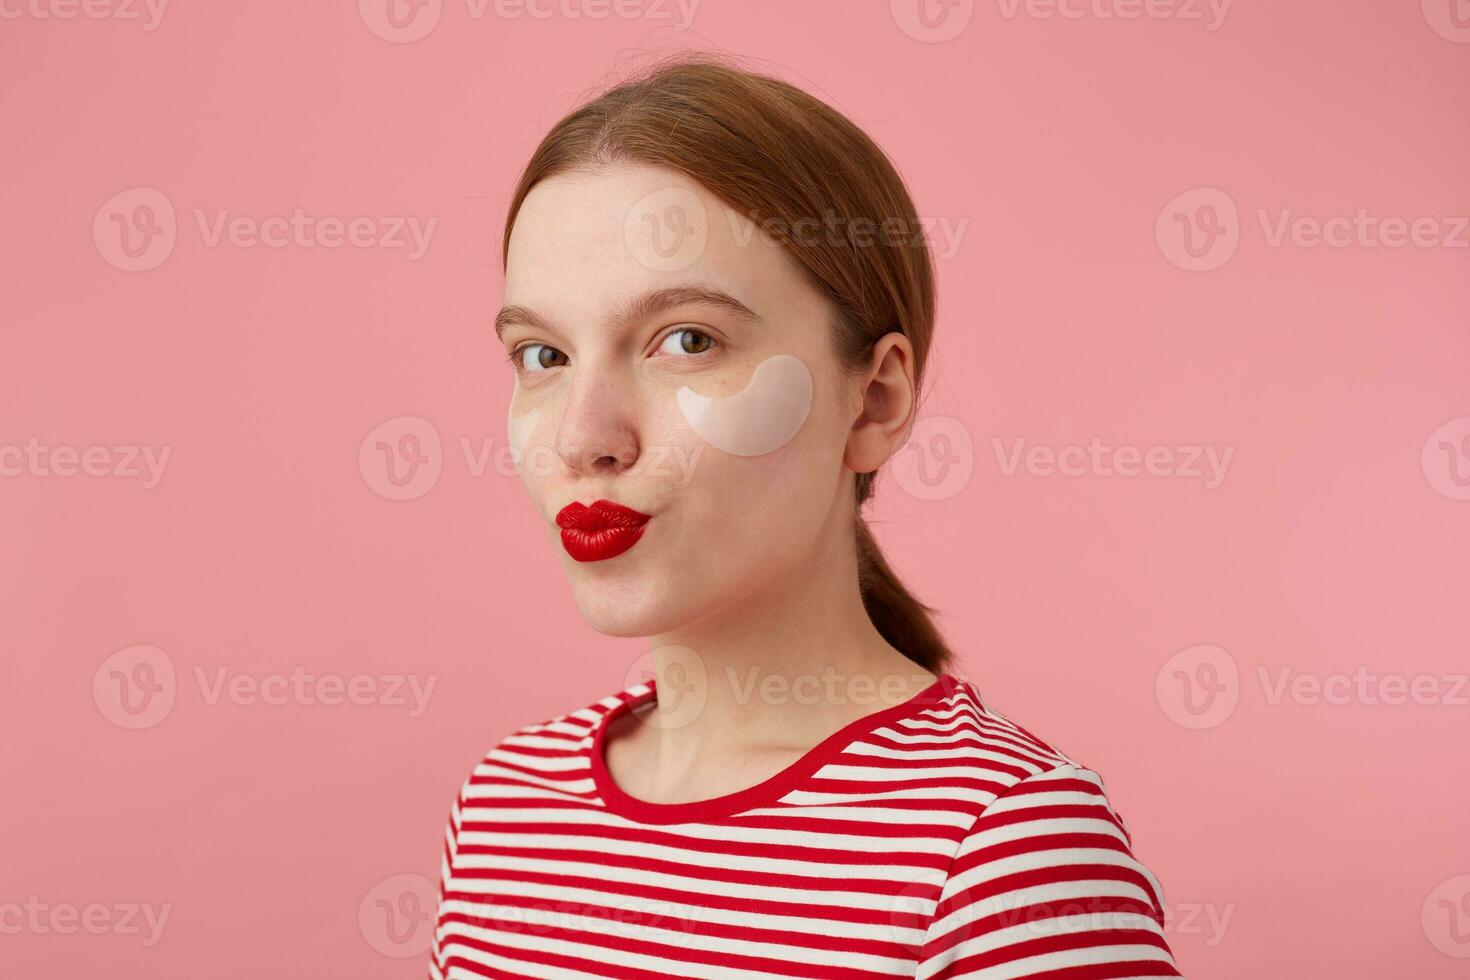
598	433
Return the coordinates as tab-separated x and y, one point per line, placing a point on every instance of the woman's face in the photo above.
625	392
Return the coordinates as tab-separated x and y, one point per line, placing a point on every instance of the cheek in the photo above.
765	488
760	419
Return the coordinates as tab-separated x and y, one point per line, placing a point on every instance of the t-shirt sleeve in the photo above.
1045	885
446	865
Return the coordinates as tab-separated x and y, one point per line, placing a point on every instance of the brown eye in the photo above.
544	357
687	340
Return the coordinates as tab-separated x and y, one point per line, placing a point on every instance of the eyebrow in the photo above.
641	307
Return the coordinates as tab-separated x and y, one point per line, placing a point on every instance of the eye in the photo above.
683	344
543	357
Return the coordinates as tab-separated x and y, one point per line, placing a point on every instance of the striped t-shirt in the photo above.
930	839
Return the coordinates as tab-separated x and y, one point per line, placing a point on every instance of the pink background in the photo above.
1293	836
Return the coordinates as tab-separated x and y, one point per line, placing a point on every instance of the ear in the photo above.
887	399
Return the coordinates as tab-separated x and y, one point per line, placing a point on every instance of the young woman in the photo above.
718	308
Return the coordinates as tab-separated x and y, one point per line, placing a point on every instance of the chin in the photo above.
624	612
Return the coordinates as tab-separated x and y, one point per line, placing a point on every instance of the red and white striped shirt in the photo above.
931	839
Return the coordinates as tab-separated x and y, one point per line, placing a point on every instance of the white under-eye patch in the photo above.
760	419
518	429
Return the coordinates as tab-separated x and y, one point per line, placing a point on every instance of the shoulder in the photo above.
959	728
544	749
1044	879
1005	762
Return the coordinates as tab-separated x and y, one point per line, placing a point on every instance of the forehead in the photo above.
585	242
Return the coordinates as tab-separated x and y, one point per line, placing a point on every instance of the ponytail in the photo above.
900	618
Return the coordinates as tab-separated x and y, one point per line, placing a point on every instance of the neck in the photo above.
782	667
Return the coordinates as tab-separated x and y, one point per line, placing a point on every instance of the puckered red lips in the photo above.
603	530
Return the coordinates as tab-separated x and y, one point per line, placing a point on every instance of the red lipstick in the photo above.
603	530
